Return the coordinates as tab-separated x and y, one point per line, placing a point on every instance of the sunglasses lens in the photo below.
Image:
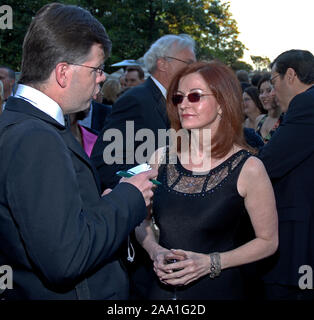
177	99
194	97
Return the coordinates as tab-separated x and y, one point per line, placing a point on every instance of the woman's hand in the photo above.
160	258
191	266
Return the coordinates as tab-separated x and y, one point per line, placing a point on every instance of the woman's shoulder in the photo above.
252	168
252	173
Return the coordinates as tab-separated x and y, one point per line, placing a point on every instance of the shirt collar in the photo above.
40	101
160	86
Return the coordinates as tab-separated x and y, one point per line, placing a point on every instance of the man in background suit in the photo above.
289	160
97	115
143	105
58	232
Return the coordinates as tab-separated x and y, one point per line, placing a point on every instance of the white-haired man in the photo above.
145	104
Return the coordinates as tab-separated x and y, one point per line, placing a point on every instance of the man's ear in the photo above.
291	75
62	71
162	64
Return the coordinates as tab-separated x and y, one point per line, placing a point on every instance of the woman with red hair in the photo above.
209	180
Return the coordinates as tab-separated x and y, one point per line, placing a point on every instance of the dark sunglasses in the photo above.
192	97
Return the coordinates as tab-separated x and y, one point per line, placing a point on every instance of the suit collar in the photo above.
24	107
41	101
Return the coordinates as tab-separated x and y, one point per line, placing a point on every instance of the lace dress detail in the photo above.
184	181
200	213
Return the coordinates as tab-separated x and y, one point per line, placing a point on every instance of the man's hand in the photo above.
142	182
107	191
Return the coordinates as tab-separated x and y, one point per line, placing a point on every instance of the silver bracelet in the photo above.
215	265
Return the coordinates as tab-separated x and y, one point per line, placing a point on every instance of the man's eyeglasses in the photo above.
271	80
100	70
186	62
192	97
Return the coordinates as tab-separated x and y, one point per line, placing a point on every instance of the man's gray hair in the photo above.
164	46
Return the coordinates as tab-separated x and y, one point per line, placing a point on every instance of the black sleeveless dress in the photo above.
200	213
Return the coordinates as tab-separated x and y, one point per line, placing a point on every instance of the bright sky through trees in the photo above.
269	27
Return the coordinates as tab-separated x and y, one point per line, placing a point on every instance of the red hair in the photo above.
226	88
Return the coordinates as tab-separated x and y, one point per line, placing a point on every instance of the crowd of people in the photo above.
226	202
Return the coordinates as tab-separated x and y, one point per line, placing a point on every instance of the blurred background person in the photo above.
111	90
122	81
256	78
253	108
243	77
7	76
268	123
134	75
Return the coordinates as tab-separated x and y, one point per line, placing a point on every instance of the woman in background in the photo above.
111	90
253	108
268	123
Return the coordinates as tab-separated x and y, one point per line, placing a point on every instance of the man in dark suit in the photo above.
58	232
96	116
143	107
289	160
100	114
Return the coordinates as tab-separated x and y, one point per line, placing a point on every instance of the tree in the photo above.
241	65
11	41
261	63
133	25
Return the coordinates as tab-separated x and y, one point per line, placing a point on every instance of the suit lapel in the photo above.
160	101
76	148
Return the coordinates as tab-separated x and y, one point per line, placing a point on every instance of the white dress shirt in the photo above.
40	101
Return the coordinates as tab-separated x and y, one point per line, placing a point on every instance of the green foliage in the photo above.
261	63
241	65
133	25
11	41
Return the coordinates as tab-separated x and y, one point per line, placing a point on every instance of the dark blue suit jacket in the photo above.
56	231
100	114
146	107
289	161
